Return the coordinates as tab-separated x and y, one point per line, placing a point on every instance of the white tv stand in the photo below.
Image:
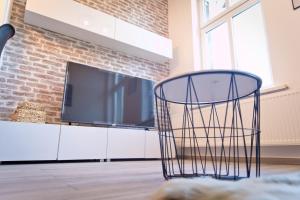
33	142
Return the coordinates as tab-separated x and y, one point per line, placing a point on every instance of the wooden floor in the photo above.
91	181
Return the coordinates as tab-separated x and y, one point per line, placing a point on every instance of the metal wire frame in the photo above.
209	147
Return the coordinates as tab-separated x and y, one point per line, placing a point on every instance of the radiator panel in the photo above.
280	118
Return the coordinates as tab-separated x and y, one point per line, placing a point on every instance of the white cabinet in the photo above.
125	143
91	25
141	42
28	141
78	142
152	145
79	21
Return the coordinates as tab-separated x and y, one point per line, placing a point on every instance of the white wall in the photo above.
1	11
282	27
5	7
283	35
183	29
283	32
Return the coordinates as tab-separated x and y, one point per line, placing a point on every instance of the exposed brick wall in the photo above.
148	14
34	64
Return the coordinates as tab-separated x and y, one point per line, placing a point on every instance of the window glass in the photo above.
250	44
218	48
213	7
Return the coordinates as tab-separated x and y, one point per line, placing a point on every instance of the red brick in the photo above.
34	60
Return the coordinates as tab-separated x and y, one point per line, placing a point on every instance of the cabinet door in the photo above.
79	19
28	141
152	147
77	142
125	143
143	39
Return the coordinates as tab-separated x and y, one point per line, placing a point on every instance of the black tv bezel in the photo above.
102	124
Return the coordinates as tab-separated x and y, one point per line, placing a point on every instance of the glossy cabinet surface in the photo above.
91	25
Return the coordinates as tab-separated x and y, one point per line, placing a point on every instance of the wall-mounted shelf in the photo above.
82	22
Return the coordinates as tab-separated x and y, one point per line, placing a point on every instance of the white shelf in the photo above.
152	146
31	141
125	143
28	141
82	22
77	142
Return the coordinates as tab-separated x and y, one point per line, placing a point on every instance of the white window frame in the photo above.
223	17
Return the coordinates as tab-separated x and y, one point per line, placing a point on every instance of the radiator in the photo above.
280	117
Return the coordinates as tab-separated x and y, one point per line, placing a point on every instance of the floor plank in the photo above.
91	181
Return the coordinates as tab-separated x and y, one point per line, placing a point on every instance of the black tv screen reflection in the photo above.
98	96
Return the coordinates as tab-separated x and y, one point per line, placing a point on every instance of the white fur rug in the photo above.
281	187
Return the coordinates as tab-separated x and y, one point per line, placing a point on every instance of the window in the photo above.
233	37
218	55
213	8
234	1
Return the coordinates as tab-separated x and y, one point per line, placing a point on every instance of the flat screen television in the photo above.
96	96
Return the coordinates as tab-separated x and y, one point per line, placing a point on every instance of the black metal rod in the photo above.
212	141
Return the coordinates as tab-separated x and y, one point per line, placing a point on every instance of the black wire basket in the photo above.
209	124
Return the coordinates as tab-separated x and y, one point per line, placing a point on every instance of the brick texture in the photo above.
34	61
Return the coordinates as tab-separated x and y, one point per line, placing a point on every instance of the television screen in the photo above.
98	96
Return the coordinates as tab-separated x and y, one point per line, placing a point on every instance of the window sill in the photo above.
274	89
264	91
